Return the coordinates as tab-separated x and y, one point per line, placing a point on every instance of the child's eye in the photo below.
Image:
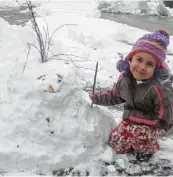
150	64
139	59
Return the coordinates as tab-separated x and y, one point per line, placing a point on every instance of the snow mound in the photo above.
135	7
46	118
51	116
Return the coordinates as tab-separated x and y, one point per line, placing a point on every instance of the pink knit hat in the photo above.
155	44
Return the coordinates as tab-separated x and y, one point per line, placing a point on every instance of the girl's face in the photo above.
142	66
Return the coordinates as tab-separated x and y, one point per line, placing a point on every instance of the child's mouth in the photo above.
140	73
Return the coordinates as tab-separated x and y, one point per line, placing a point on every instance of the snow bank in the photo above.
135	7
87	8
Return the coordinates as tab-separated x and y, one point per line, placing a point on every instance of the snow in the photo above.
47	122
108	156
136	7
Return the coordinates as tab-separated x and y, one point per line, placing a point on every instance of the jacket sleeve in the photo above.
110	97
168	84
162	106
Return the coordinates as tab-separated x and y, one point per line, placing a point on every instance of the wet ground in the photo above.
150	23
162	167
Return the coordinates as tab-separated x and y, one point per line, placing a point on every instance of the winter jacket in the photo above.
148	102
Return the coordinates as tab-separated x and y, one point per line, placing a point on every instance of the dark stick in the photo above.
95	76
26	59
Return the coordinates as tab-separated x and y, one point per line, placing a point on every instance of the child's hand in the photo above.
91	96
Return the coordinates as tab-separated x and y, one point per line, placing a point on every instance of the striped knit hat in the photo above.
155	44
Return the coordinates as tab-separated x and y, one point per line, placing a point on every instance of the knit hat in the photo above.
153	43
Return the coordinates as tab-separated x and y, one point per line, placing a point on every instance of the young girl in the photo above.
147	100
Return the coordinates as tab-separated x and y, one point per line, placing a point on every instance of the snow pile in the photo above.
46	119
87	8
135	7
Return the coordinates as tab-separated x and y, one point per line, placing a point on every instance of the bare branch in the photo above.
78	66
22	6
73	61
46	31
45	43
37	31
77	56
34	47
69	55
79	61
26	59
50	39
59	28
46	38
30	26
95	76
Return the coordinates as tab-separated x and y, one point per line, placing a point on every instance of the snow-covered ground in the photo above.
136	7
46	120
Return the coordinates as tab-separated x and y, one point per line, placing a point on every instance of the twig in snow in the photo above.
50	39
26	59
43	43
46	31
34	47
37	31
71	60
22	6
53	56
95	76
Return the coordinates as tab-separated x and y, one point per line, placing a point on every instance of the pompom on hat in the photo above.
155	44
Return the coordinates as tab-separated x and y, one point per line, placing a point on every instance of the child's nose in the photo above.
142	66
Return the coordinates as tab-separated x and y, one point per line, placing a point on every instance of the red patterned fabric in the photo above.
127	137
